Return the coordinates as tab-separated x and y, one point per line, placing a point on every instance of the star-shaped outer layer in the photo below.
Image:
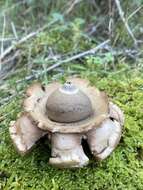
102	129
35	105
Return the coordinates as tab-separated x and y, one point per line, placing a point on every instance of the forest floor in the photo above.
115	68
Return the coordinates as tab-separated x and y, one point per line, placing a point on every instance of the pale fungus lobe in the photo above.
66	114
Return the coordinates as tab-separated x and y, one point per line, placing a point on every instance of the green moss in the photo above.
122	170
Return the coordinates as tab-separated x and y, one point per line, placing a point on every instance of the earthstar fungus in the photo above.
66	114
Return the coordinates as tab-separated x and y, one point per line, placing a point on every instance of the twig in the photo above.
8	39
14	30
137	10
24	39
6	100
3	34
13	7
72	5
121	13
111	20
12	47
132	53
80	55
8	65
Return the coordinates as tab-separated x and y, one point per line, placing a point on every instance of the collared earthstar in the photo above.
66	114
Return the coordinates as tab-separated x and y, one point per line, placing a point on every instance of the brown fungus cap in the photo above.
68	104
38	103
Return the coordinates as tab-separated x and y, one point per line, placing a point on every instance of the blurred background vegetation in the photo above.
48	40
67	28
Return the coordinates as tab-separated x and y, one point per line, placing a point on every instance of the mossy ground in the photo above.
122	170
120	77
